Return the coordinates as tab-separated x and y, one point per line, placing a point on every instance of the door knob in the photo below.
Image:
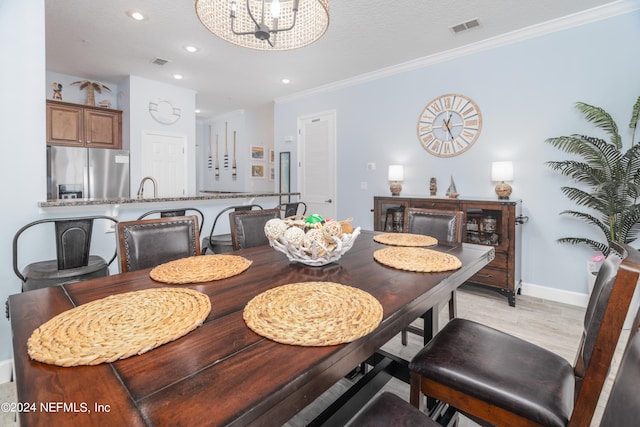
328	201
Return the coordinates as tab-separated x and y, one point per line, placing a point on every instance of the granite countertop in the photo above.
206	195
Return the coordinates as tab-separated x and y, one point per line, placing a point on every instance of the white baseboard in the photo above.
556	295
6	369
575	298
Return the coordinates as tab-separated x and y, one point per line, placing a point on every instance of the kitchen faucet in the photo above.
141	188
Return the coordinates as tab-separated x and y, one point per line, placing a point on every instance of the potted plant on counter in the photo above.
608	177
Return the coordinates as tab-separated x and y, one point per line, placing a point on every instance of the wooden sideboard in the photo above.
486	221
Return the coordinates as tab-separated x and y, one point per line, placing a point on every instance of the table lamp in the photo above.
502	171
396	175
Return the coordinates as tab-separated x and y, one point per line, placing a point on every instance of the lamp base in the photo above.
395	188
503	190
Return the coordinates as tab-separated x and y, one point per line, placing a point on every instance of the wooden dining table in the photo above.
221	373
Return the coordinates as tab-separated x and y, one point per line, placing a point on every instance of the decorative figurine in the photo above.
57	91
433	186
452	192
91	87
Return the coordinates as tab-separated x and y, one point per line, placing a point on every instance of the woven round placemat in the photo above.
417	259
405	239
118	326
313	314
196	269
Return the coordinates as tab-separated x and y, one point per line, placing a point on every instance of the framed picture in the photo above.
272	156
257	152
257	171
285	175
272	173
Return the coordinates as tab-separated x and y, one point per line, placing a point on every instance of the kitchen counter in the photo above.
206	195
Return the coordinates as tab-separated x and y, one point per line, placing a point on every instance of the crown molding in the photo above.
599	13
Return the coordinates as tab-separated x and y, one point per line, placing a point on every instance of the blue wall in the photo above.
526	91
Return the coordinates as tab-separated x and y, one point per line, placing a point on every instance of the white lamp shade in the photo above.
502	171
396	173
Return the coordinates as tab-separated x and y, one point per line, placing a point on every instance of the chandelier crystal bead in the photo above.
265	24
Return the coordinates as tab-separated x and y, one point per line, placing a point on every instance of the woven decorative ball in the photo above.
275	228
295	236
331	229
314	235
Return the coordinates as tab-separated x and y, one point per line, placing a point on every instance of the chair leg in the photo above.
453	306
415	397
453	312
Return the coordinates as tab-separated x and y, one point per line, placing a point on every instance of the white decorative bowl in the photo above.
318	254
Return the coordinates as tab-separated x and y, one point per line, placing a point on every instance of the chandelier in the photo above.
265	24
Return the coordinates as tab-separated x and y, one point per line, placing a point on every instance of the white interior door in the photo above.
317	163
164	159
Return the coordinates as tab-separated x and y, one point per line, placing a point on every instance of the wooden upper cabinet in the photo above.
83	126
64	124
103	128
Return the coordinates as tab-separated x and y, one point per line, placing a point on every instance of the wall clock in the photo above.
164	111
449	125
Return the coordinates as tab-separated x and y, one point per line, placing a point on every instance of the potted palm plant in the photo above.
608	175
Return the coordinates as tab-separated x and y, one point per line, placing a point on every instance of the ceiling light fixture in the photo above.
265	24
177	76
191	49
286	81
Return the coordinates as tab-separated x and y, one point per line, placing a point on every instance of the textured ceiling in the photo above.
97	40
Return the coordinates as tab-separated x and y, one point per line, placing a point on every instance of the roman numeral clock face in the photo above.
449	125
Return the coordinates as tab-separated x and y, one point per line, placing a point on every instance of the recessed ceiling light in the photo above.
286	81
177	76
191	49
197	111
134	14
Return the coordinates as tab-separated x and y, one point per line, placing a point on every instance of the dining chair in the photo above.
221	243
445	226
292	209
150	242
623	404
247	227
622	408
389	410
168	213
74	261
503	380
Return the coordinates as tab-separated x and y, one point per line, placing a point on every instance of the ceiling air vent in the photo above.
159	61
465	25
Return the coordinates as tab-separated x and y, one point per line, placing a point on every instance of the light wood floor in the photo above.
554	326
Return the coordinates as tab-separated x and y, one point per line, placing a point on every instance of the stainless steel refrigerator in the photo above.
87	173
